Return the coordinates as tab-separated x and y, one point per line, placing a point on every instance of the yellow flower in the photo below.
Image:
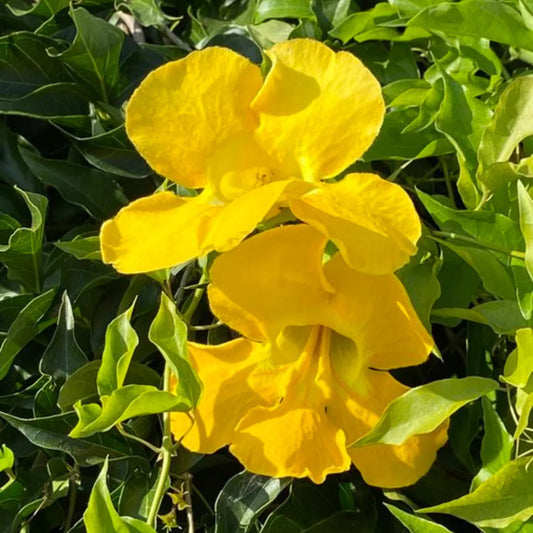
310	374
209	121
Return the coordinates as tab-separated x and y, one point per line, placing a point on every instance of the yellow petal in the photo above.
357	409
154	232
319	111
286	441
163	230
270	281
373	222
376	314
399	466
183	110
229	391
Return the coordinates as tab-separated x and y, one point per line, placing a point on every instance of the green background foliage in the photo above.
83	390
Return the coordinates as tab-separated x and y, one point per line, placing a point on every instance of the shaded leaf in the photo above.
63	355
243	498
82	247
23	329
416	524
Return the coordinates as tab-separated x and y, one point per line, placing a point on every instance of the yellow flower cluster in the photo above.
310	374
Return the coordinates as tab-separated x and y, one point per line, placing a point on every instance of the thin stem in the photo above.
190	515
217	324
72	495
448	180
123	432
196	298
204	501
166	453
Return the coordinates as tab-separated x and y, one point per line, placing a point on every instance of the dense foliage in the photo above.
457	135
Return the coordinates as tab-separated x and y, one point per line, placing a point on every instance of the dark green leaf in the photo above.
23	329
82	247
95	52
243	498
63	355
22	254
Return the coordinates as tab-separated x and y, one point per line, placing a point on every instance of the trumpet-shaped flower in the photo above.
211	122
309	376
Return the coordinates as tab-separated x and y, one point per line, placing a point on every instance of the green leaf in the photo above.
423	409
81	385
525	204
95	53
496	279
23	329
502	499
93	190
486	227
22	254
496	446
482	19
41	8
63	355
408	8
511	124
147	12
51	433
169	333
278	9
243	498
101	516
416	524
462	119
120	343
82	247
7	458
519	364
124	403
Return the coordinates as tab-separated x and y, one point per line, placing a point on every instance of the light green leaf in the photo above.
23	329
81	385
502	499
101	516
512	122
120	343
519	364
525	204
482	19
503	316
82	247
278	9
487	227
22	254
147	12
523	421
416	524
423	409
7	458
496	446
462	119
408	8
169	333
124	403
241	500
95	53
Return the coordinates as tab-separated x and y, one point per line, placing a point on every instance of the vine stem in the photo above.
166	454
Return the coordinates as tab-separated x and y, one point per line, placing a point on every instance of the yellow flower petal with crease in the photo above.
318	110
184	109
270	282
373	222
384	325
228	393
163	230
